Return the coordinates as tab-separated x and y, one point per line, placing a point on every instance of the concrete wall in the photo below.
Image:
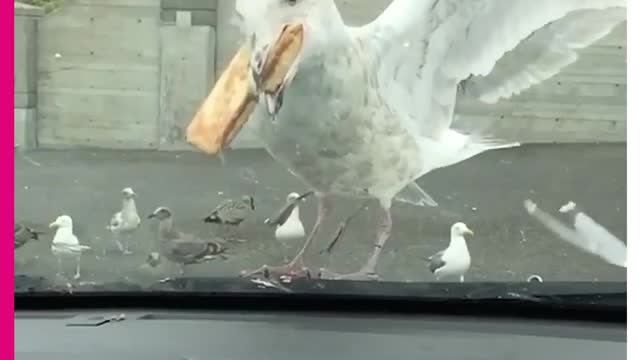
25	74
201	12
98	74
187	67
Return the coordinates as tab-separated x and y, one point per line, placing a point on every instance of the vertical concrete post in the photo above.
25	74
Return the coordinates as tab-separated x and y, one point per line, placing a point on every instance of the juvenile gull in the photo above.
180	248
365	111
23	234
231	212
65	244
587	234
454	261
126	221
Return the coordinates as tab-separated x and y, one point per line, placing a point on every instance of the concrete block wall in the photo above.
201	12
25	74
187	65
98	75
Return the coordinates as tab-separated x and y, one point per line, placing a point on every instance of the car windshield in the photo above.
284	142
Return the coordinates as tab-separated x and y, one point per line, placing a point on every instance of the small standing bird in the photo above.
180	248
287	220
231	212
65	244
126	221
454	260
292	228
23	234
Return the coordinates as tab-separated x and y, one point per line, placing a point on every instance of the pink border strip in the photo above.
6	156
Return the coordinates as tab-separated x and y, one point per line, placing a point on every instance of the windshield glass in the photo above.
286	142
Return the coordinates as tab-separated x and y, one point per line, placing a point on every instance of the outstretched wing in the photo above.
426	48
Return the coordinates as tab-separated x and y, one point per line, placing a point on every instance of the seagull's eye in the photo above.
291	2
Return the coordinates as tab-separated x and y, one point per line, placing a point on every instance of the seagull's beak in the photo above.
274	66
53	224
151	216
468	231
233	99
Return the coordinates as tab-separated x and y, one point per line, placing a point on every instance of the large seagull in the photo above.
365	111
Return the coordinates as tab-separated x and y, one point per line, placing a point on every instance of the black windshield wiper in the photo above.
604	302
582	299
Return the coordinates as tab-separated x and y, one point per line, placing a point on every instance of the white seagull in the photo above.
126	221
454	261
292	228
65	244
365	111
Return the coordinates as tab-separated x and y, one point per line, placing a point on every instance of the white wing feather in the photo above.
428	47
544	54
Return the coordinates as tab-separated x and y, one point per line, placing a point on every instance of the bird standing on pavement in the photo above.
454	261
231	213
65	244
287	220
181	248
125	222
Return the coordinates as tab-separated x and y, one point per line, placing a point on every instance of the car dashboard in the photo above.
239	335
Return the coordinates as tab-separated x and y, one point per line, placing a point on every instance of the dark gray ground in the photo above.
485	192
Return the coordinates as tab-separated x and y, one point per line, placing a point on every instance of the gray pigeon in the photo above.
231	212
23	234
180	248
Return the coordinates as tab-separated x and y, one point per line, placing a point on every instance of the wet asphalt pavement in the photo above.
485	192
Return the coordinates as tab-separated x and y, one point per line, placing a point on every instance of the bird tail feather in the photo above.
453	147
413	194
